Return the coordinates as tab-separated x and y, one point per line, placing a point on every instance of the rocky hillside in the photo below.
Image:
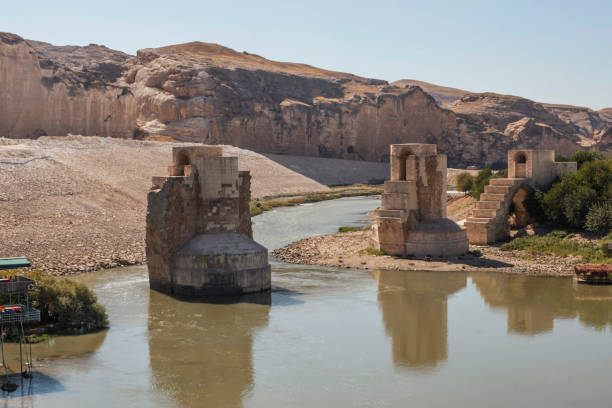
442	94
590	125
200	92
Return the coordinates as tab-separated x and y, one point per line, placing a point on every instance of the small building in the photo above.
538	166
412	217
199	235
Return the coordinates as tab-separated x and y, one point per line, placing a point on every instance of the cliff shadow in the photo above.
334	172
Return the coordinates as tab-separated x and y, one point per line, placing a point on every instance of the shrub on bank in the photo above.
605	248
558	243
579	196
372	251
599	218
65	306
474	186
354	229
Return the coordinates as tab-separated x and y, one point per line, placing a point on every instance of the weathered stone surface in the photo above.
412	218
199	235
58	90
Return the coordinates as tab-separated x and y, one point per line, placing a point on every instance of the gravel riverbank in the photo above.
349	250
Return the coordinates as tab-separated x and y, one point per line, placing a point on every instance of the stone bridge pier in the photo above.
527	169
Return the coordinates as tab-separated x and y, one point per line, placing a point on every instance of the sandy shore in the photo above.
347	250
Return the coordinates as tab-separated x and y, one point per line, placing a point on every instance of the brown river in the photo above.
328	337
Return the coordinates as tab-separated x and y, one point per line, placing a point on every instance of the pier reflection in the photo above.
414	310
201	353
533	304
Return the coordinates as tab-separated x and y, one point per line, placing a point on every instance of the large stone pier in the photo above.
199	236
412	218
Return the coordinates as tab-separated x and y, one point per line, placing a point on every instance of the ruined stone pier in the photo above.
412	218
199	236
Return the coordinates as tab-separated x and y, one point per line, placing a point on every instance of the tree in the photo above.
599	218
464	182
585	156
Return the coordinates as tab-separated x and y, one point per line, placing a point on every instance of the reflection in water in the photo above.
46	354
534	303
414	311
201	353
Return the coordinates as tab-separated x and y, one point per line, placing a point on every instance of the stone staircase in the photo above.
488	222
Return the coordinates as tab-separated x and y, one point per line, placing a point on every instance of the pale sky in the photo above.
550	51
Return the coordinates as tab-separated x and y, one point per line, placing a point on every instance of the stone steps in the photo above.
505	181
497	189
488	204
478	220
480	225
492	197
484	212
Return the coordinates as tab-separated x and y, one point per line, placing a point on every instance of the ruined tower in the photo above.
412	218
199	236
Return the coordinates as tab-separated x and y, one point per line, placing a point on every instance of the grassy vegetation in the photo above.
66	306
353	229
372	251
559	243
269	202
605	249
579	200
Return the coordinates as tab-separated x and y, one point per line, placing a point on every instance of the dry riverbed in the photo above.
350	250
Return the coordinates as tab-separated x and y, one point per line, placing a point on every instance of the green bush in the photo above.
585	156
576	205
599	218
605	249
372	251
65	305
482	179
562	158
571	198
464	182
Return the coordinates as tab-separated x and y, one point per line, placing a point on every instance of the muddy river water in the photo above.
328	337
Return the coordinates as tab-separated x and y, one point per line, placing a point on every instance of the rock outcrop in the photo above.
200	92
47	90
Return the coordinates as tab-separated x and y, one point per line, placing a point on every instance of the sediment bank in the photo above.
350	250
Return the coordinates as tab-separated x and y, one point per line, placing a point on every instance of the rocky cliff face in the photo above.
207	93
46	90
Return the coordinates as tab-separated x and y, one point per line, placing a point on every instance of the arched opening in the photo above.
402	165
518	215
182	160
520	165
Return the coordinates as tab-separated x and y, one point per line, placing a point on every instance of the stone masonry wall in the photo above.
172	218
244	208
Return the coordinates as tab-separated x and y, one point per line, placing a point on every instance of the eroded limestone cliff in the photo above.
212	94
46	90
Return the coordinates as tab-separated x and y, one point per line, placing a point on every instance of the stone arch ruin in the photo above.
402	160
412	217
520	164
527	169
